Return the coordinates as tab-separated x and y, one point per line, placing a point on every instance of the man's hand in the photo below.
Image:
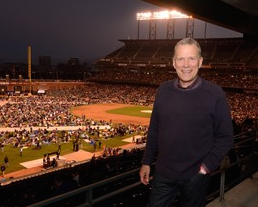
144	174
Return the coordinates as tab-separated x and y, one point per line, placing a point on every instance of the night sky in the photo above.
84	29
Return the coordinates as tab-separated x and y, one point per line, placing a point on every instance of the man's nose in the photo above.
186	62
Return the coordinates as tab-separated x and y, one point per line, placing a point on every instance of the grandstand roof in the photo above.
237	15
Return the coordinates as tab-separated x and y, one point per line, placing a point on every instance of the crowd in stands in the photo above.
232	78
53	110
37	111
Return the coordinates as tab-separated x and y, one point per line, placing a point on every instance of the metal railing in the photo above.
88	190
251	160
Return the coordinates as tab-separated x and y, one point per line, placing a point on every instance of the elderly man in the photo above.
190	132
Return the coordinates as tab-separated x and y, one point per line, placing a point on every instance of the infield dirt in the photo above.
99	112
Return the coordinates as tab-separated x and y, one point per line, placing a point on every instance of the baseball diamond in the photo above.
99	112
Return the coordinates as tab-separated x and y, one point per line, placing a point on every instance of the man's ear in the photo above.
200	61
173	63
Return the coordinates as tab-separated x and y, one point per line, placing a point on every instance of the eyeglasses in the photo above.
181	60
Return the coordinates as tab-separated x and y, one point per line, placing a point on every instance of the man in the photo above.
190	132
21	149
3	168
6	161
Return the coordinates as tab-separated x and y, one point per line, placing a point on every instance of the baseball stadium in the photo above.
78	139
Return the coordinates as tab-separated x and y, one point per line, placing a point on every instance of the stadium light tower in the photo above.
170	16
29	67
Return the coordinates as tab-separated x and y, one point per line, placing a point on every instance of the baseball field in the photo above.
117	113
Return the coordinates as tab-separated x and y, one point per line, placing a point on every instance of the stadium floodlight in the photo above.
161	15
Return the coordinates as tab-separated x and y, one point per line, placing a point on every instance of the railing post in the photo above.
223	166
89	197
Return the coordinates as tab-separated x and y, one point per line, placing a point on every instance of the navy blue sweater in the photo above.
188	128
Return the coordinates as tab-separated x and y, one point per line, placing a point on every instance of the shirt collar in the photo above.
193	85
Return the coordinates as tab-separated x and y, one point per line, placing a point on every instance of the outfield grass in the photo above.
32	154
133	111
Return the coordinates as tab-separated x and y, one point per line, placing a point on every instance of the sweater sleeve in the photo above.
223	134
152	139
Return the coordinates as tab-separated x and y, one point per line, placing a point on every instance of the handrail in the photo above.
224	165
88	190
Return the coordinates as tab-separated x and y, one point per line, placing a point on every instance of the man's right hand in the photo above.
144	174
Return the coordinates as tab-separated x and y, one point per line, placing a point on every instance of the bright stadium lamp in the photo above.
170	16
161	15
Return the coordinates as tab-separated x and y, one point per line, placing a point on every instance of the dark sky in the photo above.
85	29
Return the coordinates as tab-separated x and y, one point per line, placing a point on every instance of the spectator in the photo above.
6	161
21	150
190	129
2	147
3	168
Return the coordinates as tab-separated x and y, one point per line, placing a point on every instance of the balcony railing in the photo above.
245	158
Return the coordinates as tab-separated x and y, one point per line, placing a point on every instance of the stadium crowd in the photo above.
53	110
231	78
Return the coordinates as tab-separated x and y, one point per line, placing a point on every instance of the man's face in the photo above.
187	62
